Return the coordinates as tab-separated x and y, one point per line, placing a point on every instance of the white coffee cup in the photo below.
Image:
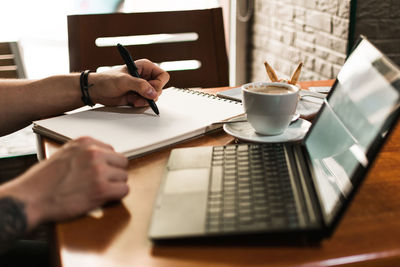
270	106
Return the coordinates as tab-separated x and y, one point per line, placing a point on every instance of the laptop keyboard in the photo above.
250	189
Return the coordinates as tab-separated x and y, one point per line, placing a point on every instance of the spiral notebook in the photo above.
184	114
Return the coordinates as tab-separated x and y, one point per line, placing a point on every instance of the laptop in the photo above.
285	190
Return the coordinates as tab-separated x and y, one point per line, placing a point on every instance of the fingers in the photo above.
116	160
86	141
102	152
99	153
136	100
115	185
116	191
108	174
108	178
118	175
111	185
152	80
156	76
137	88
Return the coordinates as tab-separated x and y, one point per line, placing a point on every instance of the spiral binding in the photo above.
208	95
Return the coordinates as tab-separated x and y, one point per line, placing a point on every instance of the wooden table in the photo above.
369	233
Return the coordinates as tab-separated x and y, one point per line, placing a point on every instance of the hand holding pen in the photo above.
132	69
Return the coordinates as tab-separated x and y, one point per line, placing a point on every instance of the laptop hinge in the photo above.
305	191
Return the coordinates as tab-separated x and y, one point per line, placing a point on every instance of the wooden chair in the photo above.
11	65
208	49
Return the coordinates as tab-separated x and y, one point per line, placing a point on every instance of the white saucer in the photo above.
243	131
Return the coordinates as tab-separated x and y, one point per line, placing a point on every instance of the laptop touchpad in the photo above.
186	181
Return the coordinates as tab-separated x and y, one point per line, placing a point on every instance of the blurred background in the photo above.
318	32
40	26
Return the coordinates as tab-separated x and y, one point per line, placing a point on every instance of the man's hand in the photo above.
81	176
117	87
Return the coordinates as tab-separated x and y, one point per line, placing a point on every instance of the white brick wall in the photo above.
316	32
286	32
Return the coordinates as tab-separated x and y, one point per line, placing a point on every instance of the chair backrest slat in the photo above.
5	48
11	65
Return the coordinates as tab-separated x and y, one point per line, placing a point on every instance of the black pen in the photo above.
132	69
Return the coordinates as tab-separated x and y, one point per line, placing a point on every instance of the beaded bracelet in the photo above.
85	88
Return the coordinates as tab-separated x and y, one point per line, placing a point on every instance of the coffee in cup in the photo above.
270	106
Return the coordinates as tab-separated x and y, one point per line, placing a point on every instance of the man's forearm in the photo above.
22	101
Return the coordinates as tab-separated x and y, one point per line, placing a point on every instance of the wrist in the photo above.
29	210
94	79
33	214
85	86
13	223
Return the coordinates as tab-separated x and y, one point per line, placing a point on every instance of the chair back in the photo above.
206	44
11	65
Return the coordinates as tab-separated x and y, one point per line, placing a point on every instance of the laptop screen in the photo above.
356	114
